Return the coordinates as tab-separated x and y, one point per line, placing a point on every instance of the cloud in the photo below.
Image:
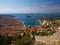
30	10
47	4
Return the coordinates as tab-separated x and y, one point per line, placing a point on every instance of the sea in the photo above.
31	19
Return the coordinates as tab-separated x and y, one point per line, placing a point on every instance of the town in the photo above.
15	30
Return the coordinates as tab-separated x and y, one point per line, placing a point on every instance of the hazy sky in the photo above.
29	6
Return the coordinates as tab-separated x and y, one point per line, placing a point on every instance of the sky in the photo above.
29	6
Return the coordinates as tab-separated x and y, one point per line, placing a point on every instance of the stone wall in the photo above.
48	39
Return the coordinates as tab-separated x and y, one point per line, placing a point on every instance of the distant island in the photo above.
28	16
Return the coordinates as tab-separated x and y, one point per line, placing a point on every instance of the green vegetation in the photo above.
50	19
25	40
17	39
44	33
5	40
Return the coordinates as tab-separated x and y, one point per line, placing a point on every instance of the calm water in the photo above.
32	19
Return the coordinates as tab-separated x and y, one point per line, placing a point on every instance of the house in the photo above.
39	29
45	22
